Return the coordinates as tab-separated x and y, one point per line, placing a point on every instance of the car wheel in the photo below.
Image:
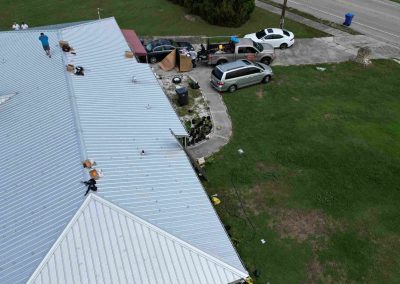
232	89
266	60
153	60
266	79
283	46
222	61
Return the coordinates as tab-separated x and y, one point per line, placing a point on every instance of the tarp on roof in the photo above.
134	42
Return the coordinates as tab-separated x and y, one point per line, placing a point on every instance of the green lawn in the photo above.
319	177
149	17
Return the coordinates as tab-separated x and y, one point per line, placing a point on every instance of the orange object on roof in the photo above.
134	42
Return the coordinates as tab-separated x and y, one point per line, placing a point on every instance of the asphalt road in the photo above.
377	18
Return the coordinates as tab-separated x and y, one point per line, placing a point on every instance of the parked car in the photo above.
278	38
160	48
234	75
243	48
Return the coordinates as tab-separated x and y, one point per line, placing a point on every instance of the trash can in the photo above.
347	19
183	96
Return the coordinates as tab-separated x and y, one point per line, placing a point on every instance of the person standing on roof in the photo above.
15	26
45	43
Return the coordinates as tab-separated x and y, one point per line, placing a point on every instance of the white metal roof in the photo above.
106	244
40	157
118	119
57	119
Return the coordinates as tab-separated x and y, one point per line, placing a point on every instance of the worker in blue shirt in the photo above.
45	43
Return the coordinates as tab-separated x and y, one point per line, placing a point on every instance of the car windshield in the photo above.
286	33
259	65
258	46
260	34
149	46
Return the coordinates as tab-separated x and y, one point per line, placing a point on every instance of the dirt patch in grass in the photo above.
300	225
267	168
295	99
315	271
260	93
312	227
261	196
257	203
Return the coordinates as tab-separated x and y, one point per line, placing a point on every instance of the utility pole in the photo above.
282	20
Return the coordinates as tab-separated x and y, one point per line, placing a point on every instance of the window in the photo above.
149	47
158	49
277	36
286	33
258	46
217	73
270	31
241	50
229	75
260	34
236	73
246	49
259	65
253	70
168	47
269	37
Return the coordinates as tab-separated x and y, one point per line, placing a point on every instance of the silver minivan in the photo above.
238	74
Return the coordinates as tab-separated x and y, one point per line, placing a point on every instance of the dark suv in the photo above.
159	48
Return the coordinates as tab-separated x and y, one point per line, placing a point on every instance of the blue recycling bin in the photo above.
348	18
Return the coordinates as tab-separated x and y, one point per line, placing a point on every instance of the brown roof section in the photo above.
134	42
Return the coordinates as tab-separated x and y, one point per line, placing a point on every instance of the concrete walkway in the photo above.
222	129
302	20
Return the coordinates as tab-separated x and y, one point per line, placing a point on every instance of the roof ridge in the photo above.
111	205
89	22
73	104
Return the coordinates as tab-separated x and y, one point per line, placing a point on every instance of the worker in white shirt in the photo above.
24	26
15	26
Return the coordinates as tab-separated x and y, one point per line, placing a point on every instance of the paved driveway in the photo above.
332	49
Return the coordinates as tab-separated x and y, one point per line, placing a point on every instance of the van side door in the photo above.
255	75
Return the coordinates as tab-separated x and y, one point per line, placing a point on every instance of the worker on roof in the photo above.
45	43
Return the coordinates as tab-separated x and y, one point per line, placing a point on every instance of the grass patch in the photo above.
318	176
150	17
315	19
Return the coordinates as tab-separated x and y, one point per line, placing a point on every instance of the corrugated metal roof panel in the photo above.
106	244
39	154
56	119
120	118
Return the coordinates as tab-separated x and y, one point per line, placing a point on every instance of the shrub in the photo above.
230	13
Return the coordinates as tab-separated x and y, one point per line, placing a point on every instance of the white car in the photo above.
278	38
